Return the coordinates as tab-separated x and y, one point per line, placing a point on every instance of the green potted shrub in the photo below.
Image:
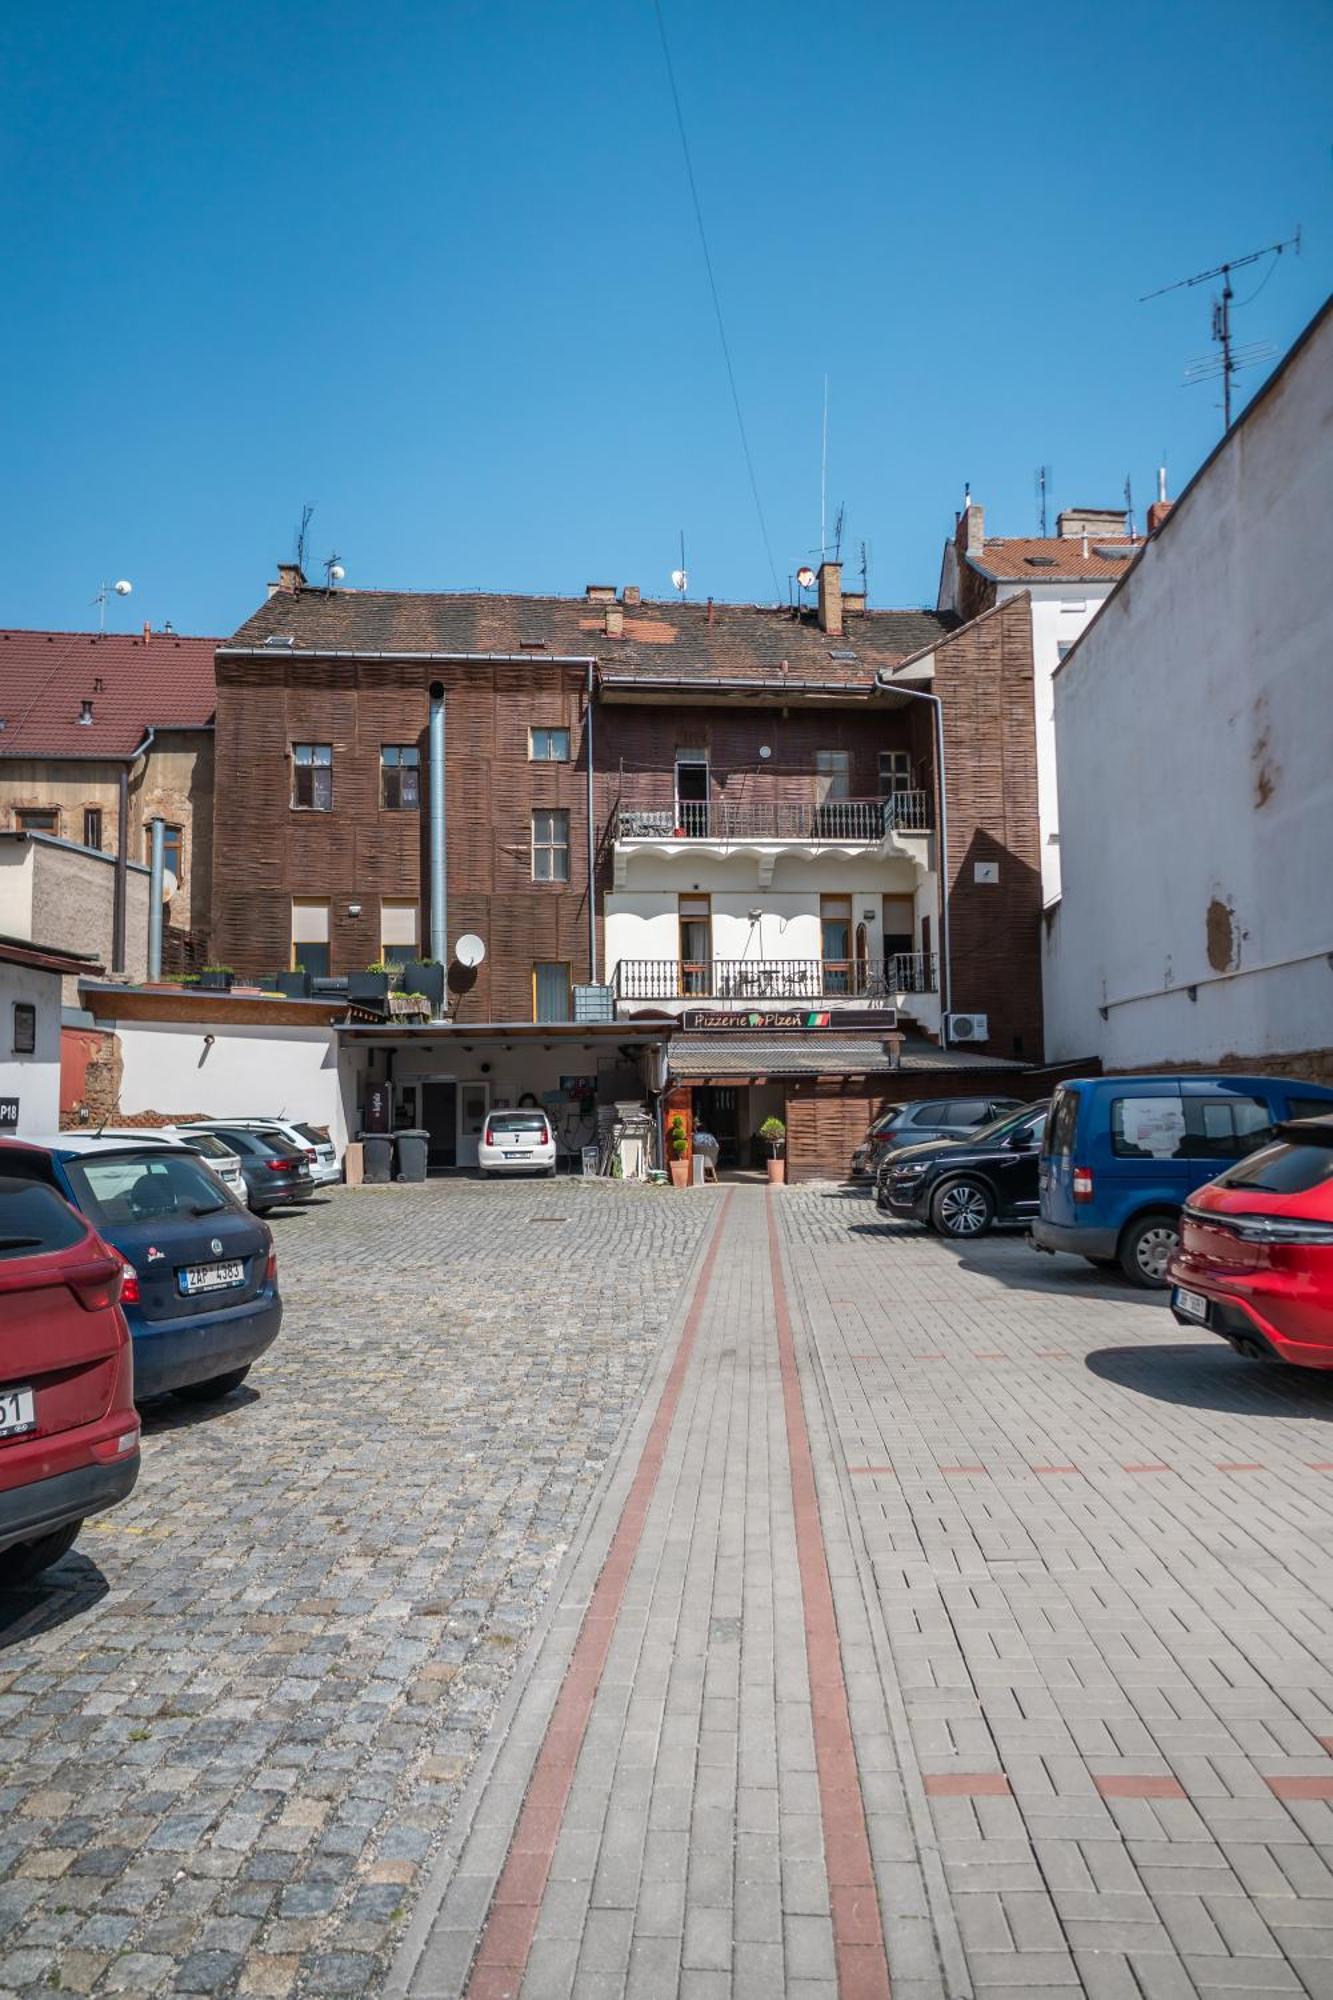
425	975
678	1152
774	1134
295	985
216	979
372	984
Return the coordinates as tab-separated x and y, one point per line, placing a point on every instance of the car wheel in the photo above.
1147	1247
962	1209
28	1559
214	1389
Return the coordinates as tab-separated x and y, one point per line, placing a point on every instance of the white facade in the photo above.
238	1072
33	1079
1194	727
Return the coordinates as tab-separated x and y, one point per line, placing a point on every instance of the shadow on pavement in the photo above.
1208	1375
71	1587
169	1413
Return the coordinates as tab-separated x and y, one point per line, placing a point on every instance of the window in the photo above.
899	921
1064	1123
1189	1128
696	944
398	930
34	1218
833	769
1310	1107
173	848
400	777
550	847
312	776
692	789
835	923
965	1112
550	992
120	1188
548	746
37	819
310	936
895	772
92	826
25	1028
1283	1169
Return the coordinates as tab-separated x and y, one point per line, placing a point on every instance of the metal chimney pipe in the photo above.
156	871
439	879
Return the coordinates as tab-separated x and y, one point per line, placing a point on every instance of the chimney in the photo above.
1104	523
291	579
615	622
600	593
1157	513
830	598
147	631
633	596
971	530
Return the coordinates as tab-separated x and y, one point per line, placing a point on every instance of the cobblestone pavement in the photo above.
236	1717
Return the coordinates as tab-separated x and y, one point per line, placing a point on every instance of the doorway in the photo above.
692	792
439	1115
474	1101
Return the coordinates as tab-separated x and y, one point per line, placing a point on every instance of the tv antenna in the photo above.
1230	358
1043	480
301	534
121	589
333	571
865	571
1129	509
823	481
680	580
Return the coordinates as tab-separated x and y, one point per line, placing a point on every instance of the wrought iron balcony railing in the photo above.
865	820
769	979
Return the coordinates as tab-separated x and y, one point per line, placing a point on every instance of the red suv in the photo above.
1255	1262
69	1434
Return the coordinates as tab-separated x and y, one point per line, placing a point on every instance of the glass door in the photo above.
696	946
692	792
474	1101
835	922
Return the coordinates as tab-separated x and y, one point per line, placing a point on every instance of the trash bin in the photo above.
412	1155
378	1148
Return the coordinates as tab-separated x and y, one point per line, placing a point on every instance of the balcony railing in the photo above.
865	820
786	979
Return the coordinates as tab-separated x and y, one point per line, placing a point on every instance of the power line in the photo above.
717	302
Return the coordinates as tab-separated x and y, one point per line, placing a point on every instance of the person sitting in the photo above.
707	1148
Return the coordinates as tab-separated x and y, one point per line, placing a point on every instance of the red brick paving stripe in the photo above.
1051	1471
966	1785
1145	1468
864	1470
1300	1788
960	1471
1325	1743
511	1922
1322	1465
858	1935
1239	1466
1145	1785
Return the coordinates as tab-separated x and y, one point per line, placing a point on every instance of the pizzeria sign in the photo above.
788	1019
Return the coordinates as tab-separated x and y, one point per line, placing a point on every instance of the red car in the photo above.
69	1433
1255	1262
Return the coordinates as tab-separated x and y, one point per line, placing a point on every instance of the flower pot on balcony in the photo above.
777	1171
294	985
216	979
680	1173
425	976
364	986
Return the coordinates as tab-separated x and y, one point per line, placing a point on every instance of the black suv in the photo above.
925	1118
963	1186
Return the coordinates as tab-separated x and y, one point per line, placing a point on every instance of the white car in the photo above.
223	1162
315	1143
516	1142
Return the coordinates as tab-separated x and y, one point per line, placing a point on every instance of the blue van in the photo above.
1122	1154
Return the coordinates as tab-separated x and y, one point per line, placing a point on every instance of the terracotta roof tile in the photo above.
1054	558
45	677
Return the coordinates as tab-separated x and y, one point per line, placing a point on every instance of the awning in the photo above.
694	1058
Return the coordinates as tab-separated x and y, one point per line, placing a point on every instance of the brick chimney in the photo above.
970	533
615	621
633	596
1157	513
830	599
291	579
600	593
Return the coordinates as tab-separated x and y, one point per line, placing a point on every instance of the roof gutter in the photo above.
430	659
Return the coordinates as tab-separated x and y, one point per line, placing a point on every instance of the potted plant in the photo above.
774	1132
295	985
678	1146
425	975
372	984
216	979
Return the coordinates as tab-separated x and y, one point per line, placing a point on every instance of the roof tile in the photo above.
45	677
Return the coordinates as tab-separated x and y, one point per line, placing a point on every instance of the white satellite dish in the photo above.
123	588
805	576
169	885
679	579
336	572
470	950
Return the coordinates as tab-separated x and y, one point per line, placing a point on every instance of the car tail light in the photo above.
283	1166
271	1268
488	1137
97	1286
310	1153
1302	1230
129	1286
1083	1184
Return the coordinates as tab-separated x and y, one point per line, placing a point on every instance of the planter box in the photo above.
364	986
294	985
215	982
419	977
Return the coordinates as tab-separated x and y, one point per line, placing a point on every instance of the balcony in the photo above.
874	981
859	822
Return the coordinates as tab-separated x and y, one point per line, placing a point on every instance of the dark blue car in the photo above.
1122	1154
201	1285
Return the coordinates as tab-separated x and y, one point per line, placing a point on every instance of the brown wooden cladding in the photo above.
267	852
828	1116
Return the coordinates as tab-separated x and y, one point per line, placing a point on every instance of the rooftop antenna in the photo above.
1231	358
865	571
1129	510
837	531
301	534
121	589
823	481
680	580
1043	481
333	571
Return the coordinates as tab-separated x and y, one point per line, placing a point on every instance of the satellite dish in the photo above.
678	579
470	950
805	576
123	589
765	749
336	572
169	885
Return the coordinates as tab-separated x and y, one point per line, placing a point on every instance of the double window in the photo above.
1188	1128
548	746
550	846
895	772
312	777
400	777
37	819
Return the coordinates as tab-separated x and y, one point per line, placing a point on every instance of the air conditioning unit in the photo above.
967	1027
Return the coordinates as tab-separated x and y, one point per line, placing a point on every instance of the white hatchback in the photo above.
516	1142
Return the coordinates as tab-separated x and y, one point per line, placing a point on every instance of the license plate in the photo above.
212	1277
1192	1304
523	1154
18	1412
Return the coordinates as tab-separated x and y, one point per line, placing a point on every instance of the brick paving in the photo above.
235	1721
1080	1640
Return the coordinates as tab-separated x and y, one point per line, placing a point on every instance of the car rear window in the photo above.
1310	1107
1188	1128
964	1112
1063	1124
312	1133
208	1145
34	1219
518	1121
1282	1169
143	1187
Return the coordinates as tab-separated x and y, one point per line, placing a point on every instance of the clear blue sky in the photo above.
432	265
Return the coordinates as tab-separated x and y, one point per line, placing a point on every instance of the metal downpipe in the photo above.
155	879
439	880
